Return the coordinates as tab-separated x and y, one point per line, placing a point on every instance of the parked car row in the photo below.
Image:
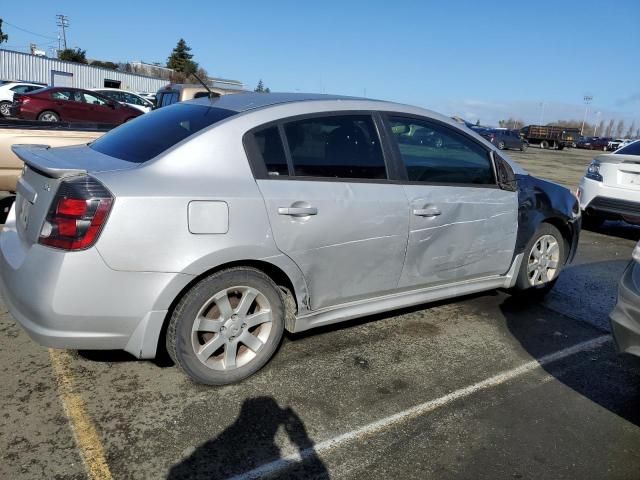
504	138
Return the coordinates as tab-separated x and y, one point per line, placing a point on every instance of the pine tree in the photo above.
260	87
3	36
180	59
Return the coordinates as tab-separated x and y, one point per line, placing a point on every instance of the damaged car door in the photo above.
462	224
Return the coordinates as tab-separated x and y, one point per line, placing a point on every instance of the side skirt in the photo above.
370	306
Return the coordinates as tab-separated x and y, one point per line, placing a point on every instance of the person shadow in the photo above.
248	445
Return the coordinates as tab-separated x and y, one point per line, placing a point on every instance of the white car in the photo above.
610	188
123	96
7	91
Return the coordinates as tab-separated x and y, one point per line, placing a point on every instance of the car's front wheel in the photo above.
524	146
227	326
501	145
544	257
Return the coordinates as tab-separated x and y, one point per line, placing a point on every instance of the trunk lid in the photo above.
45	169
624	171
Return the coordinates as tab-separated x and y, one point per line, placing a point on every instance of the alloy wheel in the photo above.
5	110
231	328
543	261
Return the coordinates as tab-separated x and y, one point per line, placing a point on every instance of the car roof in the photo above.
243	102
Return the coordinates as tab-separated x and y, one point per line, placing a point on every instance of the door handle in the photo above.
298	211
427	212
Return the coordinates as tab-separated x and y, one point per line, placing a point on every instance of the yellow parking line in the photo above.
84	431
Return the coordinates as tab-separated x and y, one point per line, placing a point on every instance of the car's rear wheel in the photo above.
524	146
227	326
5	109
544	257
49	116
501	145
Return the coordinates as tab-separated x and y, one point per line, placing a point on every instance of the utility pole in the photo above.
63	23
587	100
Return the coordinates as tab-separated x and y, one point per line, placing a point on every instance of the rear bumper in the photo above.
625	317
600	199
73	300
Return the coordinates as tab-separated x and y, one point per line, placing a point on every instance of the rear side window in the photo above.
435	154
151	134
341	146
271	150
631	149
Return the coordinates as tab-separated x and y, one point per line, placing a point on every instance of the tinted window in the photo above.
631	149
61	95
94	99
344	146
151	134
167	98
436	154
270	147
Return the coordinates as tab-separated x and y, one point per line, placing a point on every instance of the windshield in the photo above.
151	134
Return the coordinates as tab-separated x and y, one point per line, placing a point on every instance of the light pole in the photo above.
587	100
595	128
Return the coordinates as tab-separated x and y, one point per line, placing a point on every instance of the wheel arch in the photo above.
274	272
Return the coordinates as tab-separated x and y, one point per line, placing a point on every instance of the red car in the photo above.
63	104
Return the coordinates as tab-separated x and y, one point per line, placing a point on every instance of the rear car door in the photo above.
69	105
462	225
331	206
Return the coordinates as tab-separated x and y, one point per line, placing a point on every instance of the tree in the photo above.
99	63
261	88
609	128
3	36
620	128
631	129
599	128
511	123
180	59
70	55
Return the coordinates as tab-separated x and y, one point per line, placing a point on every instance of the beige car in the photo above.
179	92
11	166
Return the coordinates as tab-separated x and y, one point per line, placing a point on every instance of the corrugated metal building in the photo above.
54	72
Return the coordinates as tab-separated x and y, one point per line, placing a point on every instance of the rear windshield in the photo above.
152	133
631	149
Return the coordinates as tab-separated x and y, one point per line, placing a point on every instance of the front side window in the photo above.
435	154
61	95
340	146
93	99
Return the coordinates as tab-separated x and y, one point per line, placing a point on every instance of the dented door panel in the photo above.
473	235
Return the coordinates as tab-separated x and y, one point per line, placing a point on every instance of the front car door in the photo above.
332	209
99	109
462	225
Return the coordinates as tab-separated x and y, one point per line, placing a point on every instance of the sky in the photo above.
486	60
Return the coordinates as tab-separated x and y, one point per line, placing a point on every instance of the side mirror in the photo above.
504	173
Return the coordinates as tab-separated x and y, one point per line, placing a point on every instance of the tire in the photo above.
501	145
560	147
524	146
225	325
541	286
5	109
544	144
48	116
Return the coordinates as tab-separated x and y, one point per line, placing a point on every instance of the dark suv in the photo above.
503	138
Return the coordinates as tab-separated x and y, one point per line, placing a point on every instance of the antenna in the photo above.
211	94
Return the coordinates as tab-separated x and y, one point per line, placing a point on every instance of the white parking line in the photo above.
280	465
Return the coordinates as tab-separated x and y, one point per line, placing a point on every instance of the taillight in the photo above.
77	214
